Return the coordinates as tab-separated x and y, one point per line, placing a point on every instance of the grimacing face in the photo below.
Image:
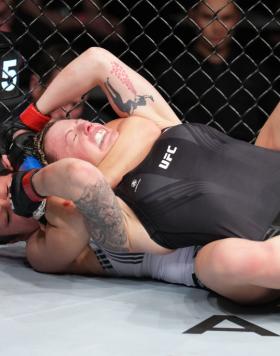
216	19
10	223
79	139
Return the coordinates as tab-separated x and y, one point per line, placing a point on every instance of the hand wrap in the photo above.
25	200
33	119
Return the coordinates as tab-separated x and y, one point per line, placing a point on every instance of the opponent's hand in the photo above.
24	198
33	118
21	152
7	131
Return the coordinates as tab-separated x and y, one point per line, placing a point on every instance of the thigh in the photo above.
235	269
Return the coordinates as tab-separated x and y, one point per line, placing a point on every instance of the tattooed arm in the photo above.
92	196
127	91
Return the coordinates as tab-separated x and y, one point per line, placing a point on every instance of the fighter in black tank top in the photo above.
198	185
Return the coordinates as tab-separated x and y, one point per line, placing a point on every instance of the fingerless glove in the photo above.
32	118
25	200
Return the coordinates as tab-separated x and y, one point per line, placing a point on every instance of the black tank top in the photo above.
198	185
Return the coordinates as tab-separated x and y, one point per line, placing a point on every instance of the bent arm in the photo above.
56	245
52	250
127	91
50	253
87	188
62	247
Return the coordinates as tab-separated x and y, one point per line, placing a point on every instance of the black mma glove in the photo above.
7	130
25	200
22	147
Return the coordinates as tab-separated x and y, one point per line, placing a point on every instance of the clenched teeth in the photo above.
99	136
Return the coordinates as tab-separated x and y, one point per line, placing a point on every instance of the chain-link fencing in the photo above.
215	61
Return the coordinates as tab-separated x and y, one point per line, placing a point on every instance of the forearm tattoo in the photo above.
103	217
130	105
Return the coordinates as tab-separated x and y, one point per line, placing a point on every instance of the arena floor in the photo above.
71	315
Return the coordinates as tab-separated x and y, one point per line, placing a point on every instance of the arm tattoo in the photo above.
103	217
121	74
129	106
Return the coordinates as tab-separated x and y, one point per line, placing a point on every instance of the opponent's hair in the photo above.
3	170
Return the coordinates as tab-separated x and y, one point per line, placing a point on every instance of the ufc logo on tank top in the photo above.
167	158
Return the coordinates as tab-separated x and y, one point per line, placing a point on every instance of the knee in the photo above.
234	259
227	260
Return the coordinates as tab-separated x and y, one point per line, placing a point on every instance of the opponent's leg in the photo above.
242	270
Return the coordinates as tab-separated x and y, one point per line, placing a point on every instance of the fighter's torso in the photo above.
197	185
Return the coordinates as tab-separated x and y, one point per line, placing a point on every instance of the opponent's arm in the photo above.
127	91
62	246
52	250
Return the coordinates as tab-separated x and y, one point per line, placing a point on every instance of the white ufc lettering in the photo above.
167	158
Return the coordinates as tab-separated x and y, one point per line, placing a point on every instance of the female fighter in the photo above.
242	270
195	186
236	278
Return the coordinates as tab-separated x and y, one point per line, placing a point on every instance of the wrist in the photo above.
33	118
39	183
41	106
29	187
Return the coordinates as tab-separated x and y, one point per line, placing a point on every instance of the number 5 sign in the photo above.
9	74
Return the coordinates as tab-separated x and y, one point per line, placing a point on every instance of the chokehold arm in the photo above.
86	187
127	91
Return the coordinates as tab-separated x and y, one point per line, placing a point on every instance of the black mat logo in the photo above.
243	326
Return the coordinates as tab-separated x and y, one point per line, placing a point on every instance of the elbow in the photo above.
65	170
93	53
101	56
98	56
90	66
79	171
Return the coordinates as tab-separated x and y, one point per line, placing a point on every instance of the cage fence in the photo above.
215	61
